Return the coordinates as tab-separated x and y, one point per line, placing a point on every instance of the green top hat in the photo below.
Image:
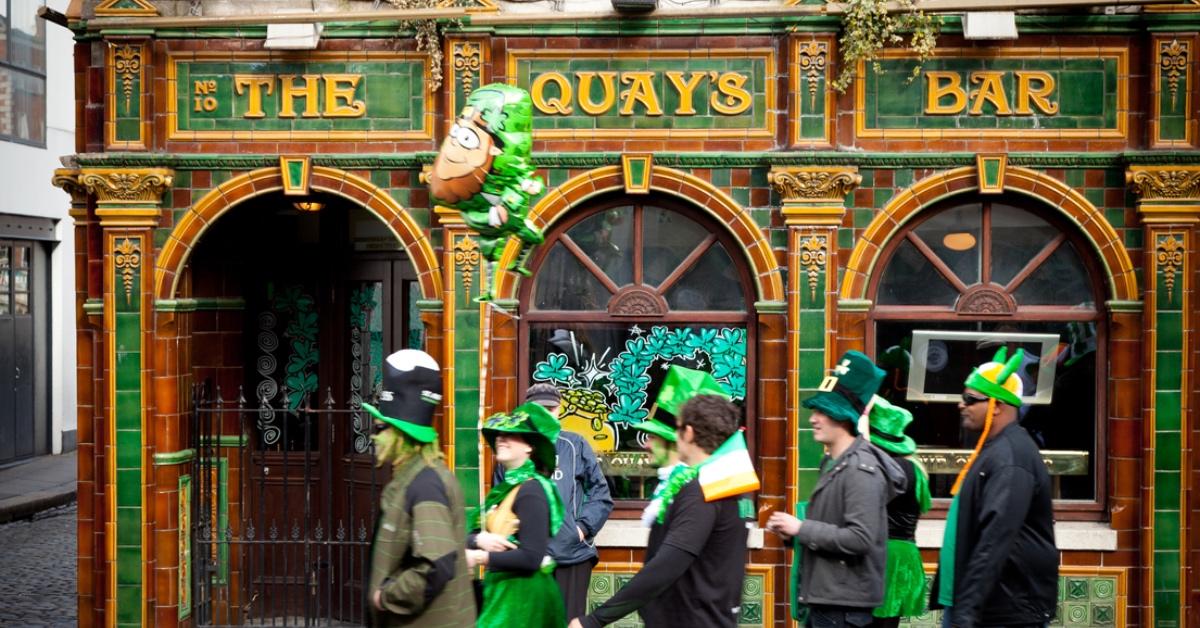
997	379
657	428
534	423
844	394
680	385
887	428
412	390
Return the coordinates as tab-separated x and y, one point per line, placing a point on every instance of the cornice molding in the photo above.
1166	194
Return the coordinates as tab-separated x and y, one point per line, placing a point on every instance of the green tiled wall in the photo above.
1168	431
606	584
1083	602
811	366
1085	90
1173	114
466	381
127	408
128	99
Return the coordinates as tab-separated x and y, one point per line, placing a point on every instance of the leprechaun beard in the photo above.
461	188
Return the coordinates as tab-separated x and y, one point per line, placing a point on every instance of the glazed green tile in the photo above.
1115	217
806	481
1075	178
812	331
468	479
129	487
808	451
129	605
812	128
129	370
128	457
1134	240
129	329
1167	370
1167	410
129	572
1166	536
1166	570
1166	450
1166	490
845	238
129	410
129	527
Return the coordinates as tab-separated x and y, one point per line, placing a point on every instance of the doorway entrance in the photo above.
24	314
286	492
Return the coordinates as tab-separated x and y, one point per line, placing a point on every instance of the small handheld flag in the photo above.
729	471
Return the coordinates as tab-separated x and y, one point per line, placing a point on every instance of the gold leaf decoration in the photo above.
1170	258
126	257
813	254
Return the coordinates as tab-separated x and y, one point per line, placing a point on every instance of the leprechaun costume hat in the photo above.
535	424
680	385
412	390
997	380
888	423
847	393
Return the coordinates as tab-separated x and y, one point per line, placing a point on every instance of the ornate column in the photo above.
463	350
813	206
128	205
1169	206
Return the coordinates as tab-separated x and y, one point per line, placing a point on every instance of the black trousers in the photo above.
573	581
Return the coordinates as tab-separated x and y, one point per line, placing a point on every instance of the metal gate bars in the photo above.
284	505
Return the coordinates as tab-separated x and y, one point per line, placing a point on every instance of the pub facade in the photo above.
254	234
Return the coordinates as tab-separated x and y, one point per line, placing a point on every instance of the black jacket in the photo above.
1005	560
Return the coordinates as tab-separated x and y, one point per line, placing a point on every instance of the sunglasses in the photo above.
970	400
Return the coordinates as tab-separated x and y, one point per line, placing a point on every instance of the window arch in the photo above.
621	290
978	272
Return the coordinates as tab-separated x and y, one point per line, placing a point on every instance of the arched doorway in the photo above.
297	304
623	287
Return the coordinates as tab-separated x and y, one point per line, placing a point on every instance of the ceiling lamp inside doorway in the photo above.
308	206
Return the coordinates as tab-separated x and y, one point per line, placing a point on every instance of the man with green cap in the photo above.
842	543
419	572
998	564
904	576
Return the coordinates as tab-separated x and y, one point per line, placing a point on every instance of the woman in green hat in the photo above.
904	578
517	520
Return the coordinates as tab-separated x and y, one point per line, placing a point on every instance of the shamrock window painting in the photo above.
609	374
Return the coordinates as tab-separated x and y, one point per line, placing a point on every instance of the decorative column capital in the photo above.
813	195
68	180
128	197
1166	194
449	218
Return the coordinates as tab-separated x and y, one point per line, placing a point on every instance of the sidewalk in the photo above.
37	484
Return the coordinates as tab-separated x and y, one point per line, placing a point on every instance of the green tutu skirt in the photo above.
516	599
904	583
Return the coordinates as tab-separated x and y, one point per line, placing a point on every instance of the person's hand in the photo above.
575	623
783	524
489	542
378	599
582	536
476	558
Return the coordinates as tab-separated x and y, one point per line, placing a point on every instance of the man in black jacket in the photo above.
998	564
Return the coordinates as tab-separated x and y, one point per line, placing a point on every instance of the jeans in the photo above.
820	616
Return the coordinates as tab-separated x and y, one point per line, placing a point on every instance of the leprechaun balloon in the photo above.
483	170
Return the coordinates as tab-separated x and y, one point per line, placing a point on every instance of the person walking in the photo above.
904	576
841	544
586	502
519	516
998	564
419	572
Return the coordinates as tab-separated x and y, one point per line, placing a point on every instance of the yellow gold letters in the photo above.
641	89
944	84
289	92
585	92
946	96
685	90
736	99
255	83
553	106
1039	96
339	88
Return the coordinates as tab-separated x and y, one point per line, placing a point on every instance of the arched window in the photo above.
977	273
621	290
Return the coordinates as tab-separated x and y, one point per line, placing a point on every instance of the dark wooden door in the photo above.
23	429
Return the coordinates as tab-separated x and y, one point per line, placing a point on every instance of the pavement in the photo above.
37	560
31	486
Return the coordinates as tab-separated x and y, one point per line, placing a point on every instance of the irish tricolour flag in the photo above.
729	470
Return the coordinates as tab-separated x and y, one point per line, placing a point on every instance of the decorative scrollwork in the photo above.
636	301
986	301
267	388
466	258
811	184
127	185
1169	254
127	62
812	259
1153	184
1173	59
127	256
468	58
813	60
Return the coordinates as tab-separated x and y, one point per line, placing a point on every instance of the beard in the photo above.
458	189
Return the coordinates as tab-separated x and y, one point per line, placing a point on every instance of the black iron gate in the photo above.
284	502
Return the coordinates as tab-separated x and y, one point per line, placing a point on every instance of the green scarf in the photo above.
681	475
921	489
514	478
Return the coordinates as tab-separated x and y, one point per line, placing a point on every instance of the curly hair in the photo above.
713	420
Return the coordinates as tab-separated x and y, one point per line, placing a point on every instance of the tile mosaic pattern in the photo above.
129	252
227	96
1090	98
812	105
126	114
1083	602
756	598
1174	69
810	255
743	81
